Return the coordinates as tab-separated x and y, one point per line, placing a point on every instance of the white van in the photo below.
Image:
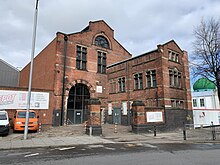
4	122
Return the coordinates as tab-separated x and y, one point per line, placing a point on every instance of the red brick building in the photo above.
73	65
158	81
91	64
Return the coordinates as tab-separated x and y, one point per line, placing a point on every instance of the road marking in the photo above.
17	154
131	145
31	155
68	148
108	148
149	145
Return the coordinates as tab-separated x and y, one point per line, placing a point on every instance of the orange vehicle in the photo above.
19	120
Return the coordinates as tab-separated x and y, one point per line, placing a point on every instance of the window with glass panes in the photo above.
151	78
101	62
138	81
202	102
177	104
102	42
194	103
121	84
175	78
173	56
81	57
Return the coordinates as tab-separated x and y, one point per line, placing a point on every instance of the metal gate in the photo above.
56	117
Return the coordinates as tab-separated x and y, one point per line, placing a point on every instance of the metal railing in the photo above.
210	132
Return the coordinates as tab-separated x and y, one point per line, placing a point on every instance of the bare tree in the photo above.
206	54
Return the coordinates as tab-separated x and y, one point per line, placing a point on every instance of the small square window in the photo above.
194	103
202	103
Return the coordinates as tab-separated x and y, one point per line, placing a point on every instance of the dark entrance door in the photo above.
117	115
78	117
77	106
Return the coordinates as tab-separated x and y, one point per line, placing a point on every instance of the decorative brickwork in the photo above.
95	60
94	117
149	80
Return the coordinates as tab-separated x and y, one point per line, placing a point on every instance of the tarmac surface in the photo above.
72	135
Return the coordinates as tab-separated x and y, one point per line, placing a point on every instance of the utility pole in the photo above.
31	70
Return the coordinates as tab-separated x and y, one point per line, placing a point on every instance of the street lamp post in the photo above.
31	70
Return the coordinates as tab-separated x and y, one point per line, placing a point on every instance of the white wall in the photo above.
211	110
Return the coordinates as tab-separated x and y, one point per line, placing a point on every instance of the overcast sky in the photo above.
138	25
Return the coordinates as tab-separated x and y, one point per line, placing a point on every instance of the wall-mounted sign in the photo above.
18	100
124	108
154	116
99	89
109	108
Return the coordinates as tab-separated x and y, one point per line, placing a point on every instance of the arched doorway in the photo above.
77	106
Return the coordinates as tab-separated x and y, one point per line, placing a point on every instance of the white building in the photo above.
206	108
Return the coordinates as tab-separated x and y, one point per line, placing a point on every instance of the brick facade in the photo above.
48	72
56	69
173	97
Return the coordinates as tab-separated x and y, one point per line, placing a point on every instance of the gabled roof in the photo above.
87	27
174	43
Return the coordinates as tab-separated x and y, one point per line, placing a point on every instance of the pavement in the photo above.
72	135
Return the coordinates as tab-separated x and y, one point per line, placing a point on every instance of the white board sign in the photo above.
110	109
124	108
99	89
18	100
154	116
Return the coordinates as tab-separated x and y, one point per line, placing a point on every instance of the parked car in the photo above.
4	122
20	118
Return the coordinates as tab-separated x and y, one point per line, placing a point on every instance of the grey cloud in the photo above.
139	25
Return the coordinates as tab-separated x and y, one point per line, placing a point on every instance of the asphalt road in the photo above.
117	154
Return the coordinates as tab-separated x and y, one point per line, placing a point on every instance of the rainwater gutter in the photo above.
64	78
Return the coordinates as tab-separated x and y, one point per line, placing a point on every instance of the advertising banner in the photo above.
18	100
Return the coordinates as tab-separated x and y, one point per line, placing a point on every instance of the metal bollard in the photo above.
39	128
213	131
116	128
184	131
155	131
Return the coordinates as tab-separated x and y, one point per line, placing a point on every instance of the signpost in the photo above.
31	70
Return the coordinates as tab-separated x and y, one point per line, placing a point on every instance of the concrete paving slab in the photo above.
5	145
68	136
37	142
16	144
47	141
27	143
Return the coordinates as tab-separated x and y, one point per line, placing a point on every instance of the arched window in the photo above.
102	42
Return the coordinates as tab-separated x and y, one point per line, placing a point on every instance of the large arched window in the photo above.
102	42
77	106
